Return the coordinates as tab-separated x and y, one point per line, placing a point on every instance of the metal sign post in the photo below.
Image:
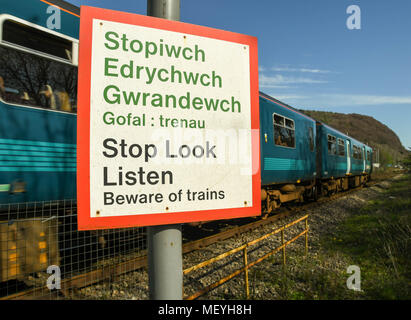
165	266
165	260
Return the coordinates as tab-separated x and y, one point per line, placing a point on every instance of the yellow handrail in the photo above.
245	260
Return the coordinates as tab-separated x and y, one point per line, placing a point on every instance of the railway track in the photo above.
69	286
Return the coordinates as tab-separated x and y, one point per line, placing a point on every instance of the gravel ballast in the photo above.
323	220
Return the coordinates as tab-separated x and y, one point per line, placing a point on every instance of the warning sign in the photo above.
168	122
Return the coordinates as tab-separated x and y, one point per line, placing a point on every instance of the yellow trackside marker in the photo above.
42	234
13	270
42	244
13	257
43	257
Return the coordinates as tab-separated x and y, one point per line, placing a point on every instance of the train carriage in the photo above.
288	157
342	161
38	92
335	152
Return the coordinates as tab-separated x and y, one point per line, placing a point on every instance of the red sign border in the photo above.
85	222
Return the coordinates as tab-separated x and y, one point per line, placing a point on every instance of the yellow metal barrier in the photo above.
245	260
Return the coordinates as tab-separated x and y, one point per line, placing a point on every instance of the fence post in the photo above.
282	243
306	236
247	290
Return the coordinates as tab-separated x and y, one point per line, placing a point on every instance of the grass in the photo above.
384	173
377	238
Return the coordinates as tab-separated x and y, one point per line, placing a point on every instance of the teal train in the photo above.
300	157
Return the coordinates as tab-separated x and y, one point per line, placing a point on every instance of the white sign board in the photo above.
167	122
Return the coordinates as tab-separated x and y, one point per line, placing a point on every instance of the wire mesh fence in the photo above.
43	255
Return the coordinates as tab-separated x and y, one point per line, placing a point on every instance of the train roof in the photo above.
343	134
267	97
64	5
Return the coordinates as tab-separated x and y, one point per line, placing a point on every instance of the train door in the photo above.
348	157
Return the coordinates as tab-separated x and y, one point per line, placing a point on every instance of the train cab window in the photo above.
284	131
34	39
311	138
341	147
31	78
368	155
332	145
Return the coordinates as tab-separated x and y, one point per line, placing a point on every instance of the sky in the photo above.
310	58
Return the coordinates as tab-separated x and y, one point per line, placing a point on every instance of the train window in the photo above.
34	39
341	147
278	120
368	155
357	152
311	138
289	123
284	131
32	80
332	144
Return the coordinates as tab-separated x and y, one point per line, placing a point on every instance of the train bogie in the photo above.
26	247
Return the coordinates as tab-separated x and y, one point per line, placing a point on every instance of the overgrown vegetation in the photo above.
407	163
382	174
377	239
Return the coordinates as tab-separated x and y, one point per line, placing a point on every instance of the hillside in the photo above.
365	129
